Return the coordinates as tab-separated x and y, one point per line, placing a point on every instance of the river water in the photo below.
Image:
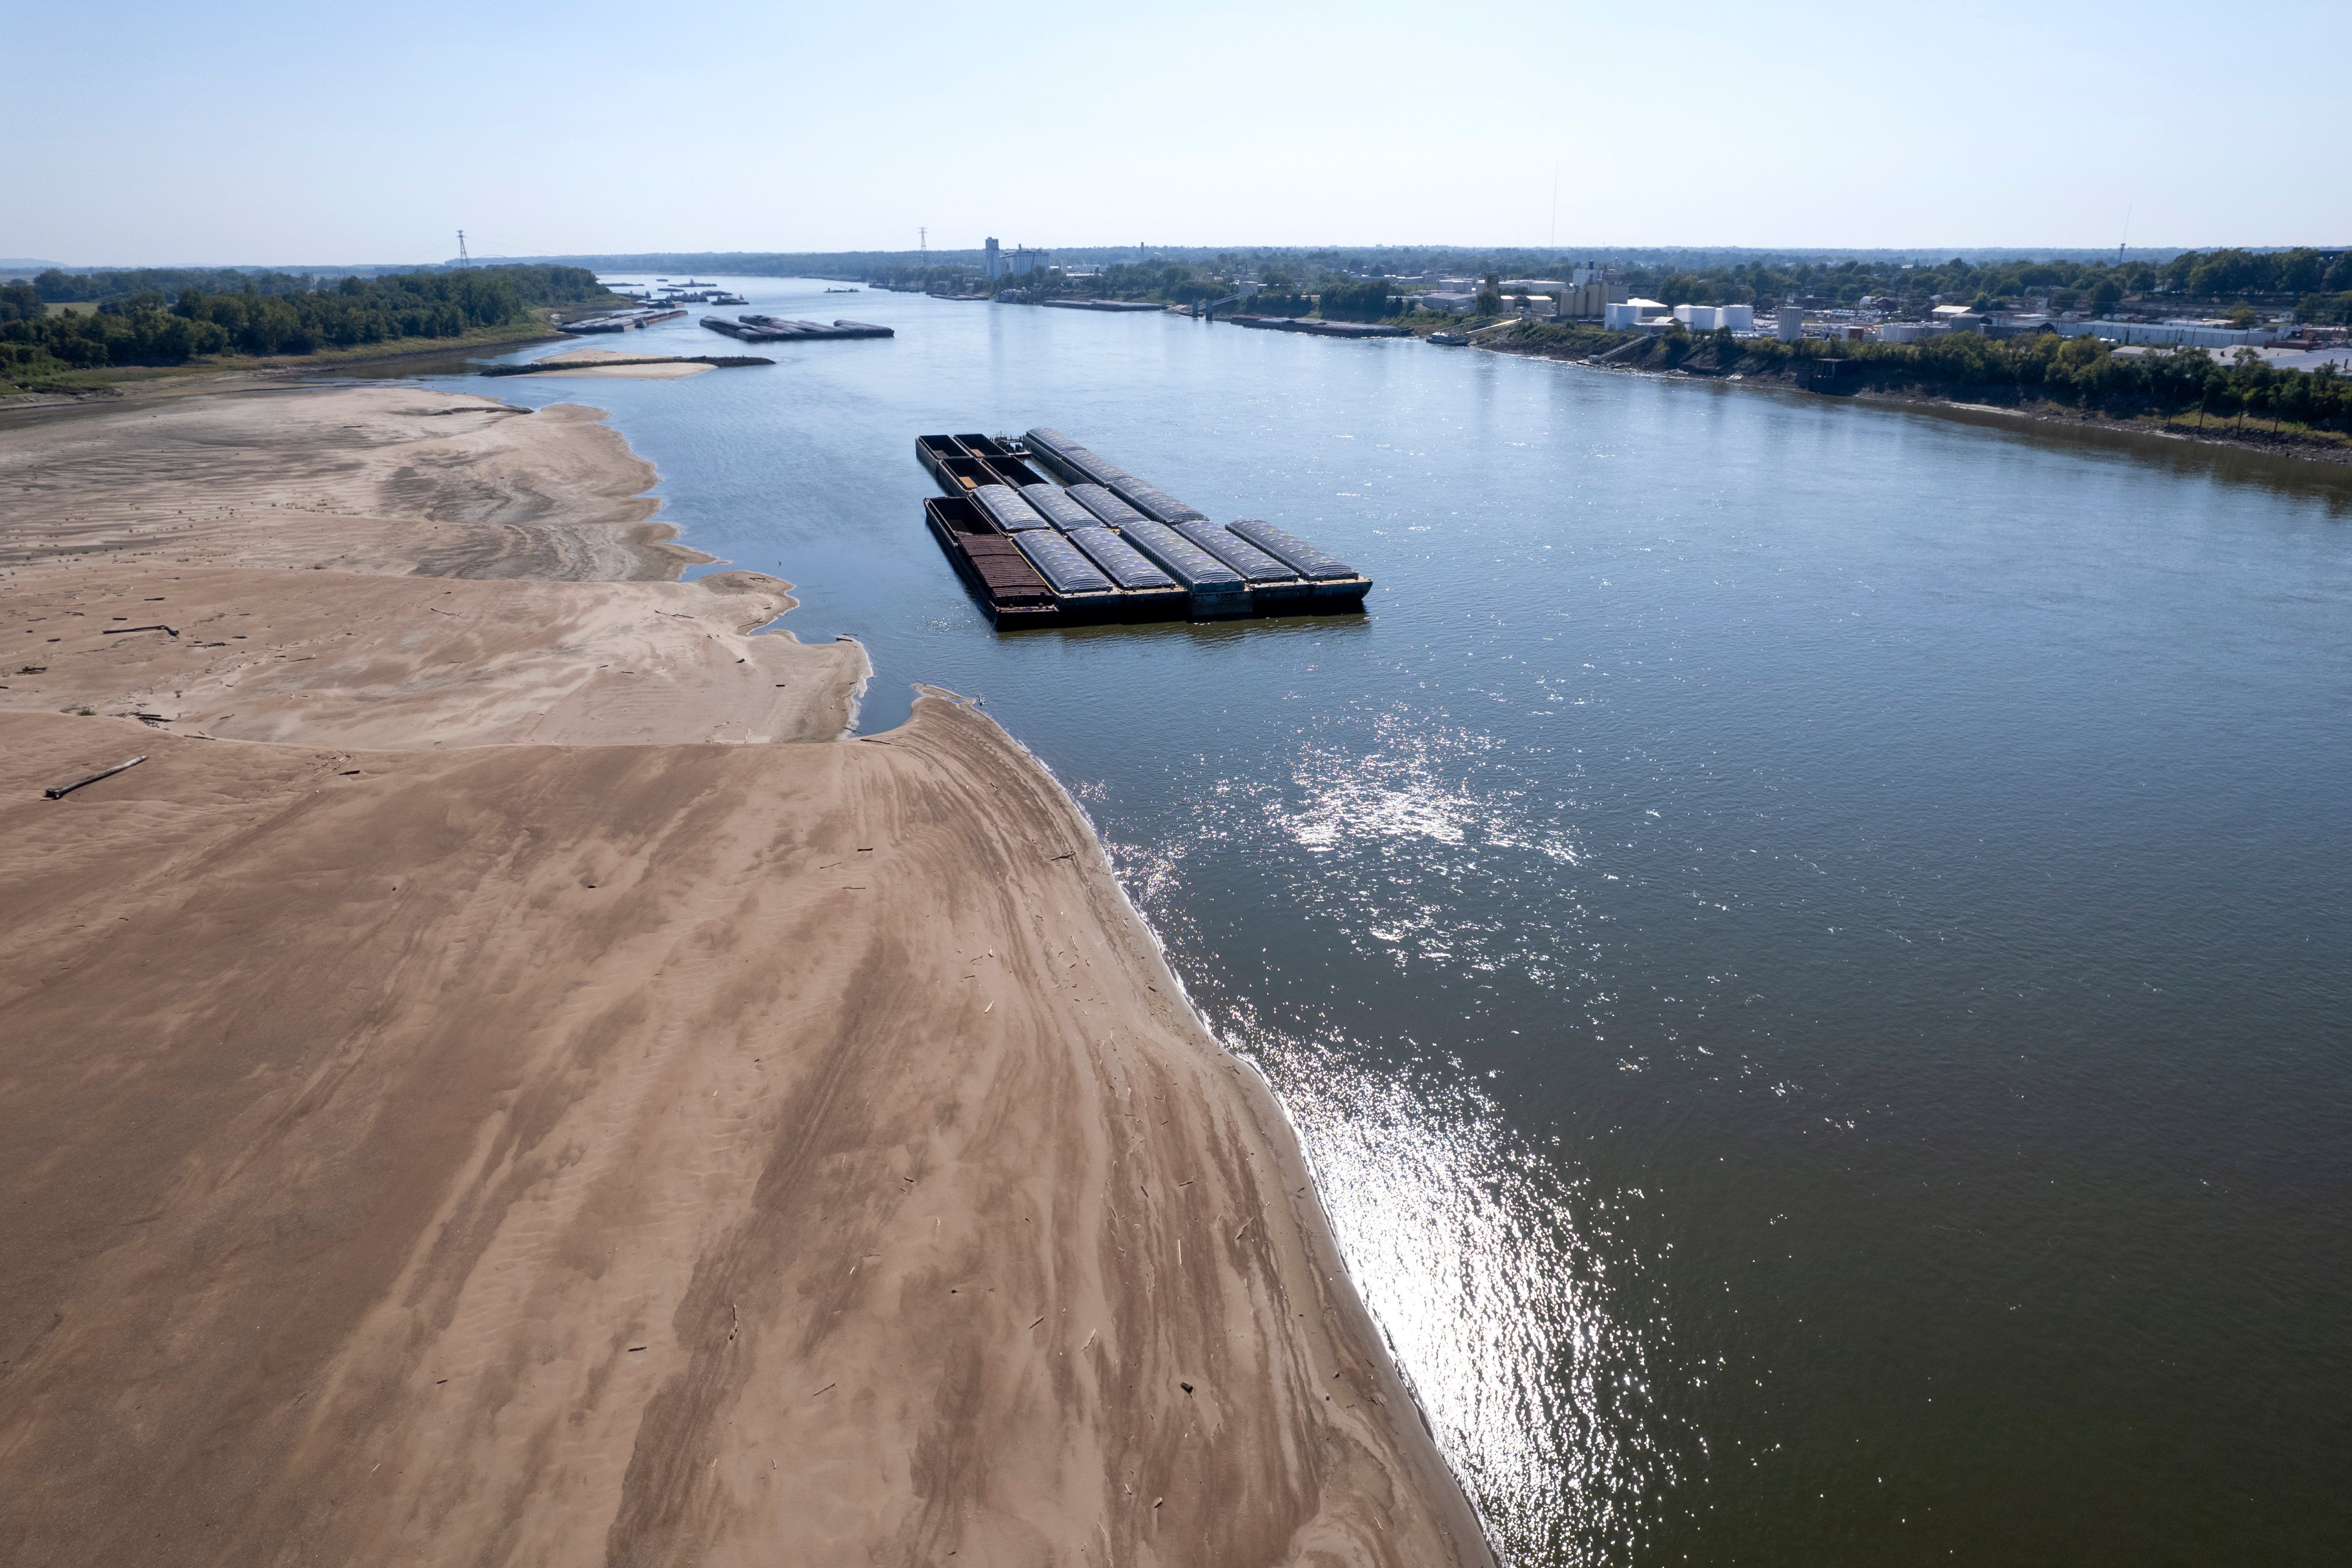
1808	943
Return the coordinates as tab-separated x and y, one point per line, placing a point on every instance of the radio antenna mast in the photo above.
462	259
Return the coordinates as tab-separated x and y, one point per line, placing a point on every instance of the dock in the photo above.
1104	305
1045	532
773	329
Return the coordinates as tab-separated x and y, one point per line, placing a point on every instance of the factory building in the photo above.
997	262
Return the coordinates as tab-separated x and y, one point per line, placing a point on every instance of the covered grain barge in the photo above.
617	321
1094	544
775	328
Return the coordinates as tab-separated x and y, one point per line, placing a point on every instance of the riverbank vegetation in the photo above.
2080	377
266	315
2316	284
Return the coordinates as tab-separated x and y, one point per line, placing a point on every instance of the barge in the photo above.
772	329
618	321
1320	329
1007	586
1094	543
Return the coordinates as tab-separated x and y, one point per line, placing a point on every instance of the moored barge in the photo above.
773	329
1102	545
999	575
619	322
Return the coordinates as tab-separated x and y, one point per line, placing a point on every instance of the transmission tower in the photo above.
924	237
463	260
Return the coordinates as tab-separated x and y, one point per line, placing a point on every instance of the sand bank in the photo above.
659	1151
337	659
361	478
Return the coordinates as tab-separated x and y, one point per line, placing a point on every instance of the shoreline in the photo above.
137	381
1289	1142
562	1071
2327	460
2329	457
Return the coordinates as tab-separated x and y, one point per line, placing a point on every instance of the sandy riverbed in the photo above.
461	1112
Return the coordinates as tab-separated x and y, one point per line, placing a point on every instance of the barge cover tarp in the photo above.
1152	501
1004	506
1072	456
1315	565
1120	561
1106	506
1058	559
1141	494
1238	553
1195	567
1054	504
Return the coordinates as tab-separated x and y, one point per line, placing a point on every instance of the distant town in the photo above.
2292	307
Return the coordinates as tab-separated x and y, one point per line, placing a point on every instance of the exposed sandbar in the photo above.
616	1145
360	479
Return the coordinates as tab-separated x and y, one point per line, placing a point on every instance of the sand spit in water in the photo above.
656	1151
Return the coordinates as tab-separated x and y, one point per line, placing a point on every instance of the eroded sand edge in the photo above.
471	1111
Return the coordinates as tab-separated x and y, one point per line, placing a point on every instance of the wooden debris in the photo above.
58	792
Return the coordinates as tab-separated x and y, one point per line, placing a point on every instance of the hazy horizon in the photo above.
1088	254
271	129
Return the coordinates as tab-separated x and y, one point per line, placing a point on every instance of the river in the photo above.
1808	943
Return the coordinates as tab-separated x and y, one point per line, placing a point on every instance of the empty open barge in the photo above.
1085	541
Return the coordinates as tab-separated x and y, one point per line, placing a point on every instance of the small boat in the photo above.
1449	340
841	291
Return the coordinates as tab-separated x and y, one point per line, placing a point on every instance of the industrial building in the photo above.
1711	318
2179	333
997	262
1631	315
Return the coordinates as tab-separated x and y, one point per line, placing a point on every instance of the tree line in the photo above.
2037	367
58	287
156	326
2317	284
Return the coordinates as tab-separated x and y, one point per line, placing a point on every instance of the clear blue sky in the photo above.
280	132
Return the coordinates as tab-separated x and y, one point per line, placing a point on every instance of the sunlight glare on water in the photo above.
1472	1248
